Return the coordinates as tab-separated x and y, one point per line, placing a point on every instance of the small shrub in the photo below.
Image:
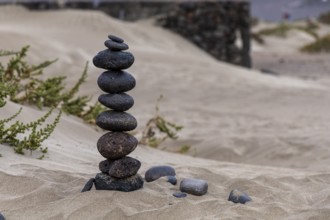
158	129
319	46
34	132
281	30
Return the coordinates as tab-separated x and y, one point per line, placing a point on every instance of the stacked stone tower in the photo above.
118	171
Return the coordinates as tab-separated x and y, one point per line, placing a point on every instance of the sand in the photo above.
263	134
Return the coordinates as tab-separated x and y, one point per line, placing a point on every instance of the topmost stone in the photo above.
115	38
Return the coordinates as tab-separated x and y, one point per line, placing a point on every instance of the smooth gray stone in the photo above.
89	185
179	194
156	172
120	168
114	81
116	60
237	196
115	46
115	38
106	182
116	121
2	217
117	102
172	180
115	145
196	187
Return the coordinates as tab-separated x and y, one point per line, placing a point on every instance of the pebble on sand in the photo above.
237	196
2	217
172	180
88	186
197	187
156	172
179	194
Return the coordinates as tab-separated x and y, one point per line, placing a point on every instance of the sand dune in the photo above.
265	135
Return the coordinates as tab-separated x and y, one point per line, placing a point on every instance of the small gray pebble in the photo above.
88	186
237	196
196	187
115	38
2	217
116	121
113	45
156	172
172	180
179	194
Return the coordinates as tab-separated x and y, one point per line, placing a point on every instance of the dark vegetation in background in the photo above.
213	26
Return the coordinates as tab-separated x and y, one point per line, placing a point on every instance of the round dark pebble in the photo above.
116	121
115	38
113	45
113	81
237	196
2	217
88	186
172	180
156	172
121	168
118	102
195	187
115	145
106	182
179	194
117	60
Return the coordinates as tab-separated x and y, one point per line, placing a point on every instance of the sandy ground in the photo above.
266	135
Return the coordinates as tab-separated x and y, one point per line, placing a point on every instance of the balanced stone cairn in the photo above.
118	171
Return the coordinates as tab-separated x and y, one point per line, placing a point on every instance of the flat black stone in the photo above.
120	168
237	196
88	186
2	217
106	182
116	121
179	194
156	172
115	38
116	60
115	46
115	145
117	101
113	81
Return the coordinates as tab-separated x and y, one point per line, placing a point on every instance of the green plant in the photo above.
158	129
23	86
282	29
93	111
319	46
34	132
184	149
